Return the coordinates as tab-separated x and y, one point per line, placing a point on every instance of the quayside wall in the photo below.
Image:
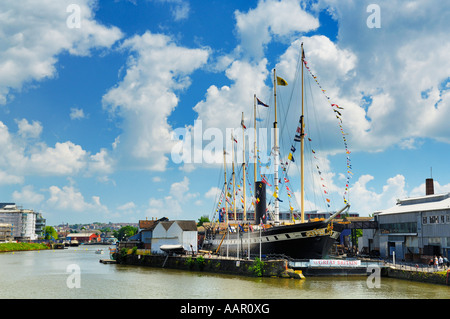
271	268
428	277
268	268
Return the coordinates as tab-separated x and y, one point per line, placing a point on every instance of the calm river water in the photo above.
77	273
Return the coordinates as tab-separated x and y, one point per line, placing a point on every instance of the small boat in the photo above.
173	249
99	251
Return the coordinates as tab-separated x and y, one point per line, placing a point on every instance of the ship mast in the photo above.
226	194
302	148
275	149
226	184
234	180
243	166
254	145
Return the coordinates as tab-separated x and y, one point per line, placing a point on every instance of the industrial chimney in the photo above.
429	186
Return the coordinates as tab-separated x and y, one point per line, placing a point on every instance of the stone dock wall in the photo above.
427	277
271	268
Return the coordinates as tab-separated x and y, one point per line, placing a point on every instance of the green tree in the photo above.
50	233
203	219
125	232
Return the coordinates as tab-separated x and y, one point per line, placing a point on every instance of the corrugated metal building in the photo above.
414	228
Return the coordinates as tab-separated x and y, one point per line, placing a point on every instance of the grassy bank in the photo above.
21	247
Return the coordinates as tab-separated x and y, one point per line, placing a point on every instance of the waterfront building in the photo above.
145	231
415	229
23	221
176	232
40	225
87	237
5	232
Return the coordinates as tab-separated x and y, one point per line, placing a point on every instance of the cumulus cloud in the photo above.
366	200
247	79
68	198
63	159
28	196
77	114
173	204
8	179
34	33
24	157
26	129
271	18
146	96
396	70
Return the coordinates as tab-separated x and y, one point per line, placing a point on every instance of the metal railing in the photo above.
416	267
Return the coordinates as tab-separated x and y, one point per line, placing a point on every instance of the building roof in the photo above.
146	224
150	224
419	204
186	225
81	234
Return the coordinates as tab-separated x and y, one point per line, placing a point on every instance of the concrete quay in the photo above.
214	264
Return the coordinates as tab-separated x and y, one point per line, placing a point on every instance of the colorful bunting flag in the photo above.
261	103
281	81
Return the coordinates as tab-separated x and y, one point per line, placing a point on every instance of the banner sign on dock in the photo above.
334	263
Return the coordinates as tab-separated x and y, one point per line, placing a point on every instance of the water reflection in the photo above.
44	275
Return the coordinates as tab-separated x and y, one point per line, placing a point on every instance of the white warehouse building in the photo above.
177	232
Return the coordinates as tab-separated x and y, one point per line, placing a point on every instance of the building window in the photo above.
424	220
434	219
398	228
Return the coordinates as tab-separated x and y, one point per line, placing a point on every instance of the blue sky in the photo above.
89	111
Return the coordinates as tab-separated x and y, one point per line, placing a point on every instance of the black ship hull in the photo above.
298	241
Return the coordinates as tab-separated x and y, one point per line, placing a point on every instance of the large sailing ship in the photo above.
265	234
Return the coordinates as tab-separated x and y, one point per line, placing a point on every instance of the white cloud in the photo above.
70	199
22	157
213	193
147	96
180	8
283	19
34	33
26	129
28	196
100	163
365	200
248	79
394	67
174	203
127	206
156	179
64	159
77	114
438	189
7	179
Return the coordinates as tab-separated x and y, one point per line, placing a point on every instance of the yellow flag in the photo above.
281	81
